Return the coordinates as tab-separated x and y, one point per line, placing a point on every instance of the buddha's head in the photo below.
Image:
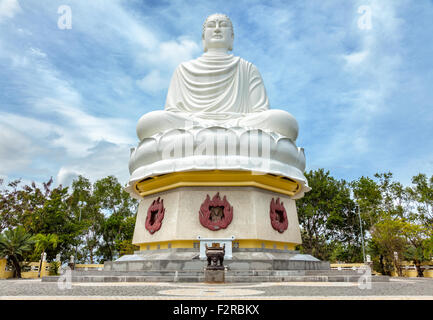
218	32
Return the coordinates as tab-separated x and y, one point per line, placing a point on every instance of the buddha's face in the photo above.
218	33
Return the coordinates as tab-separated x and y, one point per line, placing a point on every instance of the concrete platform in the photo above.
243	259
247	265
230	277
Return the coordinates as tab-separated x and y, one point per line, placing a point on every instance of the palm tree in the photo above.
14	243
43	242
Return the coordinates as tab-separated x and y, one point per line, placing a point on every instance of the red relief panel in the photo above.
278	216
215	214
155	214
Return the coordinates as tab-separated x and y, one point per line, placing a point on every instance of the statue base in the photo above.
187	260
214	276
263	223
247	266
256	218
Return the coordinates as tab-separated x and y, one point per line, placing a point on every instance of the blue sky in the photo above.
70	98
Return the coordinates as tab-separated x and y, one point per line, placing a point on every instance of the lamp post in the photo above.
362	233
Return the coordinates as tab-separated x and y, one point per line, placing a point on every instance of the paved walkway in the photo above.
402	288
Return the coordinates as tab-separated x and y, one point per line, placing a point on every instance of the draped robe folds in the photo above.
217	87
221	90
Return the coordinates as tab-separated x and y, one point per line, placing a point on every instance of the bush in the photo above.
55	266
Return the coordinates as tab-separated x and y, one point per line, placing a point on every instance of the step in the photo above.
228	278
235	273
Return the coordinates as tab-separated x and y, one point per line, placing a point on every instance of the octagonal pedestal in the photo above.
250	224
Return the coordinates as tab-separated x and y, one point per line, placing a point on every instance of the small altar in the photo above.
226	242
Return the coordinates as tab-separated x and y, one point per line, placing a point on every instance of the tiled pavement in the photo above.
402	288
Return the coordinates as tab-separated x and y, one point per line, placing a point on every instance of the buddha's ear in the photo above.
231	42
204	45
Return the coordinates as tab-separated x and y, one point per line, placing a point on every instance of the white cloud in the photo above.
8	9
164	58
80	130
354	59
38	52
16	149
24	140
53	98
19	61
101	160
153	82
169	54
373	72
65	176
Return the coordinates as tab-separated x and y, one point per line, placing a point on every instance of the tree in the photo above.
39	209
14	243
327	217
88	215
119	211
384	208
422	194
126	247
95	221
368	196
419	244
8	205
44	242
387	238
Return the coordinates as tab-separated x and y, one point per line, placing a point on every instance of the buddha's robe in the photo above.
217	90
217	87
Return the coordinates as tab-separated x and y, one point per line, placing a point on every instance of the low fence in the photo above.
408	269
29	270
350	266
86	267
5	273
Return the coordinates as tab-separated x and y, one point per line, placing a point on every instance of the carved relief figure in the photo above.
215	214
155	215
278	216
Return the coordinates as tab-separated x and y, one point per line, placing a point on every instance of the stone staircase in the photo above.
231	276
246	265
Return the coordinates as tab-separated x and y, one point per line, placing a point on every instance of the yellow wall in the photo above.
413	273
27	274
253	243
257	243
3	273
406	272
91	266
167	244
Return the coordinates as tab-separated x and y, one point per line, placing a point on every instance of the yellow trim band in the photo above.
167	244
244	243
217	178
257	243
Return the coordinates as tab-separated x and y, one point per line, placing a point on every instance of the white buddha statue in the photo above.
218	89
217	97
